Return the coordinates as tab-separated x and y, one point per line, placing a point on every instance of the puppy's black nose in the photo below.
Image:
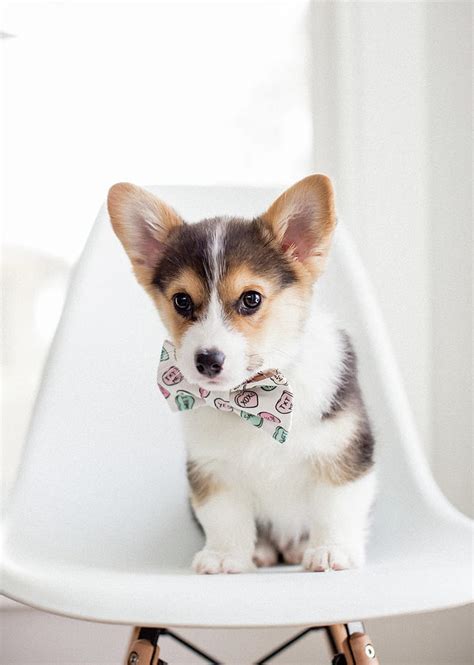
209	362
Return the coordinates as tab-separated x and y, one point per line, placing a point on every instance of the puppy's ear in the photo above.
303	220
142	223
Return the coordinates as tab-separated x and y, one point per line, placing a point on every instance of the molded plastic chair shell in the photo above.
98	525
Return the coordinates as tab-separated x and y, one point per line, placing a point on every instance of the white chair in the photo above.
98	525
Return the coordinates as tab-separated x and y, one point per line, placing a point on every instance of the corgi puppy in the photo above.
235	296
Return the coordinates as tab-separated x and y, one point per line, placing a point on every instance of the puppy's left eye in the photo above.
249	302
183	304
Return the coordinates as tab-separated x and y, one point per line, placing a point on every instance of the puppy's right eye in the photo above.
183	303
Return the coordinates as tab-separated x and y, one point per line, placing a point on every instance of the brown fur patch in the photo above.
186	281
343	468
189	282
202	483
176	324
235	282
277	303
241	278
356	457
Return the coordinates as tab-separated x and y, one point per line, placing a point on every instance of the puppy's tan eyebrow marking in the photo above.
189	246
240	279
187	281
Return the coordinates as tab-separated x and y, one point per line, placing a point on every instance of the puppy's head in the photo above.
233	293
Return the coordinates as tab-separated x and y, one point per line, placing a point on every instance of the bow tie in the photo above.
265	400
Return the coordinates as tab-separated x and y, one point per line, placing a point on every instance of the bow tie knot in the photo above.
265	400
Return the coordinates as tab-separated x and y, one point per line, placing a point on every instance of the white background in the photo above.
377	95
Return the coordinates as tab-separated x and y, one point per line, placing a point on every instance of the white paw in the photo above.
332	557
293	554
209	562
264	555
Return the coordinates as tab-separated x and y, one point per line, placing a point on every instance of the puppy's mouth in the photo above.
221	383
217	383
213	382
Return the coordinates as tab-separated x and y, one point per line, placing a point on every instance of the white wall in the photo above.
392	111
151	92
449	132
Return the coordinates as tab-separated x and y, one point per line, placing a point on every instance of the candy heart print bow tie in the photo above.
265	400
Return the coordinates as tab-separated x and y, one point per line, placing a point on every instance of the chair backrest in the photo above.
102	479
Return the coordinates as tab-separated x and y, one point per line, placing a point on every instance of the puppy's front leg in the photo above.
339	527
229	526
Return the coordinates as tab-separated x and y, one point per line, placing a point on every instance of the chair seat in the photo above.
419	578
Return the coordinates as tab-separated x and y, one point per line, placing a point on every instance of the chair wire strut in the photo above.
349	644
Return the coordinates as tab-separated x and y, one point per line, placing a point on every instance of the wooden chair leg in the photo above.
351	645
143	648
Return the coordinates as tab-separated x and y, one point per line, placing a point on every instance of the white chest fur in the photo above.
276	480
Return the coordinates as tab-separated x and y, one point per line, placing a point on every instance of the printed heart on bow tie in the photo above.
265	400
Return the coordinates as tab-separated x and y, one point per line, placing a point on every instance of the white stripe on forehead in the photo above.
217	254
215	319
215	314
